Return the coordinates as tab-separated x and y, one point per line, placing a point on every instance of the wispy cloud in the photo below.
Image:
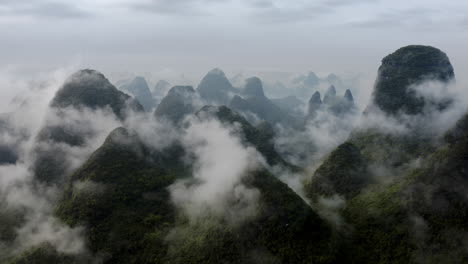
179	7
42	9
280	11
396	18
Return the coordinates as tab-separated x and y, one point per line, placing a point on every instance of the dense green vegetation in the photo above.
344	173
413	214
406	191
128	212
285	230
420	217
404	194
89	88
126	208
84	89
46	254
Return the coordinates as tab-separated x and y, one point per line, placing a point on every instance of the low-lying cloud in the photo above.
220	163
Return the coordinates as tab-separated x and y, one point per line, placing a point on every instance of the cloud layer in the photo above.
188	35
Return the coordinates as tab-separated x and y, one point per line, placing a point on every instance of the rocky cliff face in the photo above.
408	66
401	212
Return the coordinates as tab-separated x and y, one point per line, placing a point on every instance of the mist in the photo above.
199	131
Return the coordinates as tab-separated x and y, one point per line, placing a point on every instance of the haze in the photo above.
193	36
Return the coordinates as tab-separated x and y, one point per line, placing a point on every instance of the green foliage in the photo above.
381	229
50	165
284	230
130	218
286	225
89	88
344	172
84	89
133	207
9	220
391	149
420	217
45	254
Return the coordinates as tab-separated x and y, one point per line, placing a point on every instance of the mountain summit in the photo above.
215	87
178	103
315	103
403	68
330	95
253	87
90	88
138	87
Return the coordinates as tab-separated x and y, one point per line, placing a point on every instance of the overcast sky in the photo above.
197	35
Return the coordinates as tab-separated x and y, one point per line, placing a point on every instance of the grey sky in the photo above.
197	35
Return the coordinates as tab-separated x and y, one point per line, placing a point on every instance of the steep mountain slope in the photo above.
84	90
161	88
405	191
407	66
420	217
261	136
396	150
47	254
215	88
130	217
177	104
138	87
314	104
8	150
91	89
343	173
396	191
124	203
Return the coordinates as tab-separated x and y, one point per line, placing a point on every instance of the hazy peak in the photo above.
254	87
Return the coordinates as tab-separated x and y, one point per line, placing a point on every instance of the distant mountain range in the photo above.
394	191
